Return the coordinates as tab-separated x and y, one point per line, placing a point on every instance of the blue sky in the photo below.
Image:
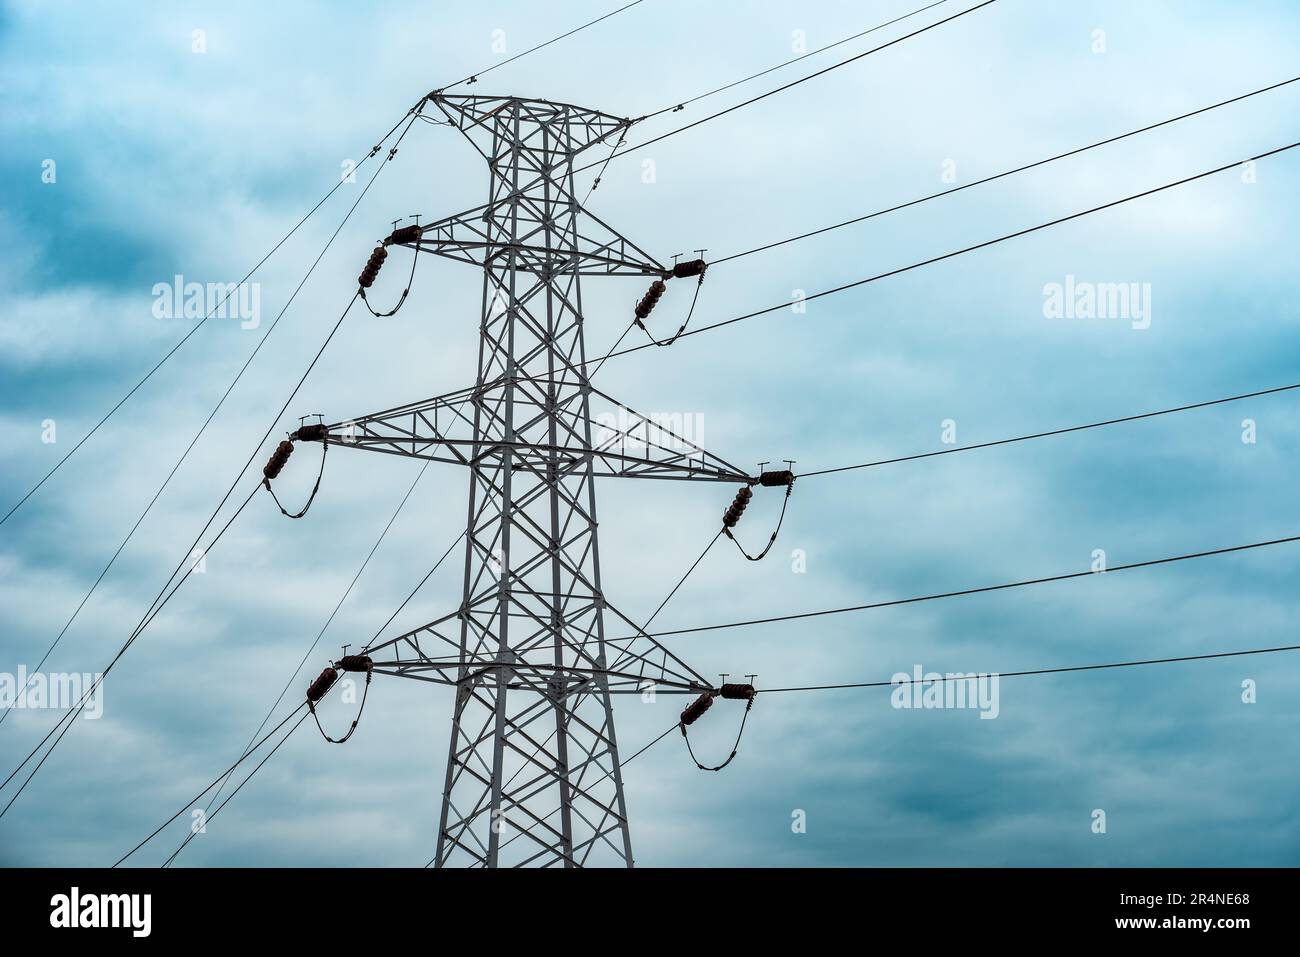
172	162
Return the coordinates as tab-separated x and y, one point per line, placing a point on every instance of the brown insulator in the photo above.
316	690
278	459
311	433
406	234
362	663
371	271
696	708
649	300
770	479
693	267
737	692
737	507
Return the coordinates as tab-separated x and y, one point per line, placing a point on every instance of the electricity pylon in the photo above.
533	774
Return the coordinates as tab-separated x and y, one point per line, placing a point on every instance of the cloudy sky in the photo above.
169	161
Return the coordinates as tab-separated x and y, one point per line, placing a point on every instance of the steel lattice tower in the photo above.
533	774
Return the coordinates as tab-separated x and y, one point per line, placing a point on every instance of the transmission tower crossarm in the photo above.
409	655
466	237
533	677
529	195
572	129
627	444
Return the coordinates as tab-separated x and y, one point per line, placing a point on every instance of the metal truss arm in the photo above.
441	430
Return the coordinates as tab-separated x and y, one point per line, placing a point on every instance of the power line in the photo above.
262	262
956	189
772	69
612	349
419	585
312	647
980	590
185	338
667	598
671	728
1010	674
239	787
374	150
157	605
217	408
154	611
221	777
1064	431
590	23
1004	173
427	576
616	765
1044	671
694	565
969	249
944	678
68	720
792	83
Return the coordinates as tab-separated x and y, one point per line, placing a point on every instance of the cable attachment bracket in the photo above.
680	270
769	479
402	235
321	686
696	709
306	432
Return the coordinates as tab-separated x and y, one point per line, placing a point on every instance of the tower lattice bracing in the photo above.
533	774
